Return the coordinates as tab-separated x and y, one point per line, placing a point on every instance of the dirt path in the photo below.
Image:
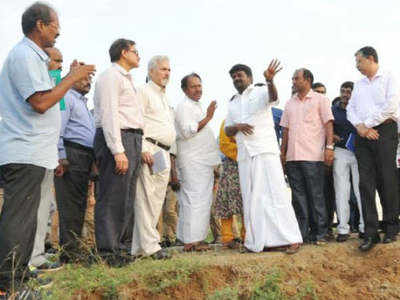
334	271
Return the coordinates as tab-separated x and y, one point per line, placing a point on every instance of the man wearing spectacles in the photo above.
29	133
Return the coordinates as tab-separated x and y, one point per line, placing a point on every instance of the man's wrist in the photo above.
63	162
330	147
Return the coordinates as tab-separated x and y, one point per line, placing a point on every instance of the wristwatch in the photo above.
330	147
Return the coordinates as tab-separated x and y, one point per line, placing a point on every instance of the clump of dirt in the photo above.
332	271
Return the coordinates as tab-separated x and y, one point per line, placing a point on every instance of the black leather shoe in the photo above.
161	254
361	235
369	243
387	239
342	238
330	236
165	244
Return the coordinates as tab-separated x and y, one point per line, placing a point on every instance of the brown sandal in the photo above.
189	247
293	248
200	247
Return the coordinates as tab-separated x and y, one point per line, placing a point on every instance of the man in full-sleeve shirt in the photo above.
75	151
117	146
29	132
373	110
159	135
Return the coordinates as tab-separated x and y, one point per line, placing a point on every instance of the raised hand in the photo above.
211	109
273	68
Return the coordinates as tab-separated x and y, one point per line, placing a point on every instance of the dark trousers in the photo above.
329	195
306	180
18	220
354	212
114	213
71	196
377	161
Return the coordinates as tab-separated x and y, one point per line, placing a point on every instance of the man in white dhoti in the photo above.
196	157
268	214
159	135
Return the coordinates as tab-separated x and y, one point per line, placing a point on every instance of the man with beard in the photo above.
197	156
269	217
29	133
159	135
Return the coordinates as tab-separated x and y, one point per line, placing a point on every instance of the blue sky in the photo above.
208	37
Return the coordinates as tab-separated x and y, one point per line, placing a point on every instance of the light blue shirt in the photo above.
26	136
77	123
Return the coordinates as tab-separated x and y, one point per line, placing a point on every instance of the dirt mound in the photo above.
333	271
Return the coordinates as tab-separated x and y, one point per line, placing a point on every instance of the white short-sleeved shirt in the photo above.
26	136
253	107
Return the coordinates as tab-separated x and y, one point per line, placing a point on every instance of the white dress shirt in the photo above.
199	146
116	106
374	101
253	107
158	119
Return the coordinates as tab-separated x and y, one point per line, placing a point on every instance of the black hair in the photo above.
37	11
318	85
240	67
336	101
117	47
185	79
368	51
307	75
347	85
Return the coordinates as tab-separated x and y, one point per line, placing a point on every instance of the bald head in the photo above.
56	58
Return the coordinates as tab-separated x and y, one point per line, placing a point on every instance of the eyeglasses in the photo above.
134	51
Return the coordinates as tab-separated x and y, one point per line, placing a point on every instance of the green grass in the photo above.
147	277
267	289
154	276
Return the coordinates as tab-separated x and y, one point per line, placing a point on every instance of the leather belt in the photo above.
133	130
157	143
387	121
78	146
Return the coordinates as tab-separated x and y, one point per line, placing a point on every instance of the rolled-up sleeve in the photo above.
29	75
107	91
390	106
185	120
326	110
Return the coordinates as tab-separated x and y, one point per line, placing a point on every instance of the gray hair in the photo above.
154	61
37	11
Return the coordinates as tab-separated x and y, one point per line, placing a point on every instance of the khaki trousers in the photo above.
169	217
150	195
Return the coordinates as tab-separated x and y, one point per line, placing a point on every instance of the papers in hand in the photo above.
350	142
159	162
